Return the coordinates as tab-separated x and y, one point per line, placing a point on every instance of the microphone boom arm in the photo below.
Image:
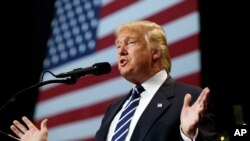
70	80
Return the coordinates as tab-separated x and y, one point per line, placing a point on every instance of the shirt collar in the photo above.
155	81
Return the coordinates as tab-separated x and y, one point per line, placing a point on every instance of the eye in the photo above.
117	46
131	42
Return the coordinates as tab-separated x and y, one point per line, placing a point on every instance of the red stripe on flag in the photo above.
174	12
115	6
105	42
191	79
184	46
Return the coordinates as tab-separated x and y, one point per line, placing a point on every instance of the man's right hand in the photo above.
29	132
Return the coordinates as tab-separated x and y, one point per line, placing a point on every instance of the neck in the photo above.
144	78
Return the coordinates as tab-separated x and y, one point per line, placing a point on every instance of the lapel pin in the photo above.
159	105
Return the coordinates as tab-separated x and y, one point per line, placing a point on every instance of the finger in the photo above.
16	131
203	95
20	126
28	123
187	100
44	124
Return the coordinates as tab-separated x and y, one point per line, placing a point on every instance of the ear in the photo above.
156	53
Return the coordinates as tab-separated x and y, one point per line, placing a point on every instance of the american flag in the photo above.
82	34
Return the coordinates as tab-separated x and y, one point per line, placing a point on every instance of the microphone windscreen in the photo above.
102	68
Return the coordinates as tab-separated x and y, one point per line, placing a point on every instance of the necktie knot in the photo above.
137	91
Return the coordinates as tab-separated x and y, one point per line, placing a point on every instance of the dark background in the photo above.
25	27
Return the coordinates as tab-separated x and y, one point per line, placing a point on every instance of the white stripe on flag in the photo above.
186	64
75	130
105	2
182	27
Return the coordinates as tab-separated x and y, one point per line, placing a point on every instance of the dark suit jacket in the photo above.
162	123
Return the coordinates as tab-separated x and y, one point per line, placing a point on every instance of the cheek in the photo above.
142	60
139	55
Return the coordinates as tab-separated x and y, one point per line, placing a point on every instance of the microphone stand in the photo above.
69	81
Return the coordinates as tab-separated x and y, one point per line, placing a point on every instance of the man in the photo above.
164	110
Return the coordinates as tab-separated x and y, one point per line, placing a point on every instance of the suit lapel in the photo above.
156	107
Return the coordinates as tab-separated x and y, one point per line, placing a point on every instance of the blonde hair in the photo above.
154	35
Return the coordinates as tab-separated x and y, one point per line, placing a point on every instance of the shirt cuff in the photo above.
185	138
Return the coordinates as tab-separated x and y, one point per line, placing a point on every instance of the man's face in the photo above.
134	57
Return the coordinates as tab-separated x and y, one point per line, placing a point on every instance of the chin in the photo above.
124	72
128	75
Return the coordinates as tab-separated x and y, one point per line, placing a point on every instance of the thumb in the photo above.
187	100
44	124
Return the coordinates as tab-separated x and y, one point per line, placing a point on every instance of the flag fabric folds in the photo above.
82	34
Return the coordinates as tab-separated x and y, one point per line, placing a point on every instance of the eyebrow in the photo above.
126	39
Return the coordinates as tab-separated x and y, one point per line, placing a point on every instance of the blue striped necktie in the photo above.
122	126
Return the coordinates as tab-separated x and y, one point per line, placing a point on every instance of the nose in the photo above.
122	50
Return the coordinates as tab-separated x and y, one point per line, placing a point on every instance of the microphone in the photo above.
96	69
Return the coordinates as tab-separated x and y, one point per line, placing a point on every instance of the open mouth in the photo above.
123	62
